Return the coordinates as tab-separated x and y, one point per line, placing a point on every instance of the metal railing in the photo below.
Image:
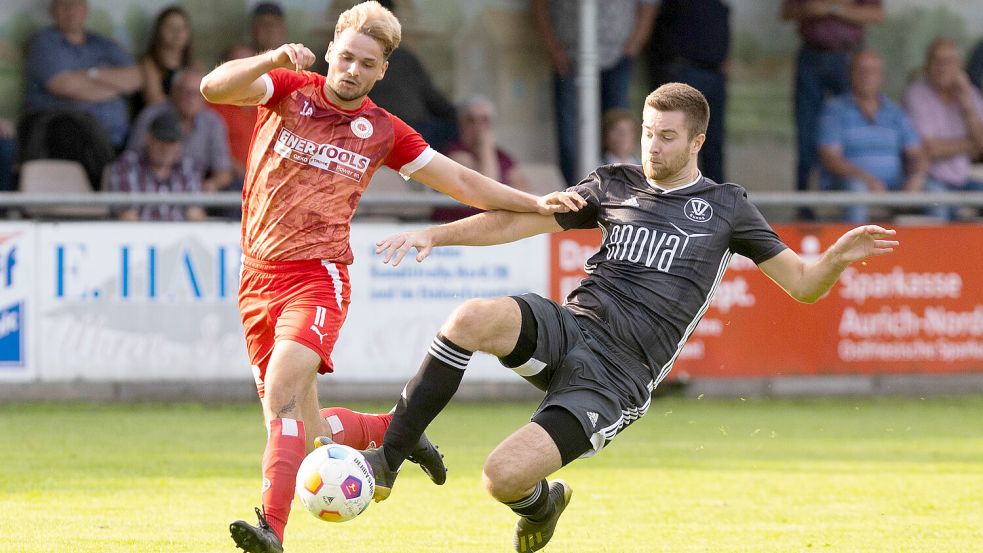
234	199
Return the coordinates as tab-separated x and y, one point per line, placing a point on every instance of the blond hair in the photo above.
684	98
371	19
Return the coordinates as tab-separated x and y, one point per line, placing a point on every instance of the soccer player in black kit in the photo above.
669	234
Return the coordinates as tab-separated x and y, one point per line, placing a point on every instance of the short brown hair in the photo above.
684	98
614	116
371	19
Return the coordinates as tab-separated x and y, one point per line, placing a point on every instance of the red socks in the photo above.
284	452
357	430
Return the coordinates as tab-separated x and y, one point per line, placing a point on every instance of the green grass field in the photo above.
694	475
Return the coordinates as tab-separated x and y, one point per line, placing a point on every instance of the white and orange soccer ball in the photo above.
335	483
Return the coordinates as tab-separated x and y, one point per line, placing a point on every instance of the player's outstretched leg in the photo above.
533	532
255	539
364	431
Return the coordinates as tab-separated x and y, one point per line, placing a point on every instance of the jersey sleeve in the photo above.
279	83
589	189
753	237
410	151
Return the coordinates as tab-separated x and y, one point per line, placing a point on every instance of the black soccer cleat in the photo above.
533	536
255	539
384	476
430	460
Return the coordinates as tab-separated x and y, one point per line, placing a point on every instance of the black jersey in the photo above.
662	256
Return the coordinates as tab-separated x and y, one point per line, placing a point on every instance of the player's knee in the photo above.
502	480
473	322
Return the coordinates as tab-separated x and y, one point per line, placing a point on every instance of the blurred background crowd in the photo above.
838	95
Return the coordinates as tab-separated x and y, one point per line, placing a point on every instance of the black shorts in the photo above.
602	387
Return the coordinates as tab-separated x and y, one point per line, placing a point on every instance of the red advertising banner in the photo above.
918	310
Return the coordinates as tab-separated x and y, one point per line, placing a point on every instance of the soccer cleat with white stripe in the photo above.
533	536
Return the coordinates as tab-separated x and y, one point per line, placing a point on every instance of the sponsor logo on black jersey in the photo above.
698	210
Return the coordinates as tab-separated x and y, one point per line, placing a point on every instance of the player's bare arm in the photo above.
471	187
483	229
807	282
238	82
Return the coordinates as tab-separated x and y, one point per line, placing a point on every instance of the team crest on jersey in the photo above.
698	210
361	127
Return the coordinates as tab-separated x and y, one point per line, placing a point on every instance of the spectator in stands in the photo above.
831	30
69	68
948	113
168	52
8	153
623	29
867	144
205	138
408	92
691	44
975	66
619	137
267	26
239	120
476	148
158	167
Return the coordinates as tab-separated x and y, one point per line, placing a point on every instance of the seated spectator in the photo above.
948	113
157	167
619	137
8	152
168	52
205	138
239	120
477	149
267	27
69	68
408	92
866	142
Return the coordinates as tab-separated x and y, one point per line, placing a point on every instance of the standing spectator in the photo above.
8	151
267	26
831	30
975	66
619	137
691	44
408	92
867	144
948	113
476	148
623	27
69	68
205	137
156	168
168	52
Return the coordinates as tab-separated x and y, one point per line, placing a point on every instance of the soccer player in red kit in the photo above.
318	140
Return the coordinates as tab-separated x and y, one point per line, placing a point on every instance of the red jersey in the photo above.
309	164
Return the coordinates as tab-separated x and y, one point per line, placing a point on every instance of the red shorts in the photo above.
302	301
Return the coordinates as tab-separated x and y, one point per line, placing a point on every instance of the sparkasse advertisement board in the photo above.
916	311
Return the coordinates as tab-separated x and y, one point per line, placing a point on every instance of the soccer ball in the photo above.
335	483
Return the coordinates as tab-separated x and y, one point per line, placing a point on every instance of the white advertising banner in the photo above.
18	301
396	312
139	301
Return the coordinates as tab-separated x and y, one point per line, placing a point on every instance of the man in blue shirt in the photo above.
71	69
866	141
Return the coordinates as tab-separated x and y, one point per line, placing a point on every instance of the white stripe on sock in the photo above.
288	427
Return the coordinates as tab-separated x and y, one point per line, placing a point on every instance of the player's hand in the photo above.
861	242
395	247
292	56
559	202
